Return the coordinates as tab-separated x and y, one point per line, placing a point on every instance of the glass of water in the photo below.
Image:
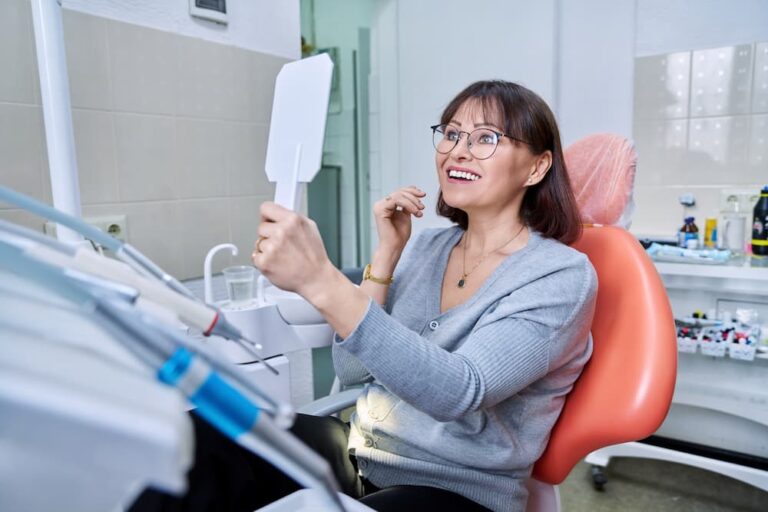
239	284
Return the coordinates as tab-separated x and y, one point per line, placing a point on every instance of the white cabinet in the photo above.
719	402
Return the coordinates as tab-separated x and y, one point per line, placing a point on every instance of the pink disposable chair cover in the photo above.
602	172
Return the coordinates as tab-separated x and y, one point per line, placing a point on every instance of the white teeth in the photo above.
453	173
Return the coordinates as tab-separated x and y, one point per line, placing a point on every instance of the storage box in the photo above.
687	345
742	351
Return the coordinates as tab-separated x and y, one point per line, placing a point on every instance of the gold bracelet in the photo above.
367	276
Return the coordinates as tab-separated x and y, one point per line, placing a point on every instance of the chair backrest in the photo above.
601	168
626	388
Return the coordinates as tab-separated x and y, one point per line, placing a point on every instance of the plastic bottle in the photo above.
760	225
710	232
689	231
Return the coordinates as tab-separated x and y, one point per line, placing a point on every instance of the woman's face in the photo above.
496	182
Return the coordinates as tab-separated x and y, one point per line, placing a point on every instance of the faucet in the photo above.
207	269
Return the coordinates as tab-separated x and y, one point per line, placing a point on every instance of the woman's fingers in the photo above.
403	199
415	191
271	211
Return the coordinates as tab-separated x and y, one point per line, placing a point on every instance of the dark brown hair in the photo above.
549	207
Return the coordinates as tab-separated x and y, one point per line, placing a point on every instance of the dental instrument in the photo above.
206	318
168	353
88	264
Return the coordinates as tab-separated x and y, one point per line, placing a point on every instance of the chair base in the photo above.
746	474
542	497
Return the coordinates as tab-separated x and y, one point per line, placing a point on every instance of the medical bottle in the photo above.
760	225
689	231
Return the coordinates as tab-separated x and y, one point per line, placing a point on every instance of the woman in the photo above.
469	350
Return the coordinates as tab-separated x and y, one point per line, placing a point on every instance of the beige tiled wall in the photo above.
170	131
700	127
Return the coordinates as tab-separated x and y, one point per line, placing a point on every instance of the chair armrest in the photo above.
331	404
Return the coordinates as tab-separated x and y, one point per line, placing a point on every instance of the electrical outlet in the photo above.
114	225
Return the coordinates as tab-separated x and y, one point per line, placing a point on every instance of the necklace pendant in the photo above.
461	283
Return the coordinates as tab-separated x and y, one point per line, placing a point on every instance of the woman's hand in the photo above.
393	217
289	251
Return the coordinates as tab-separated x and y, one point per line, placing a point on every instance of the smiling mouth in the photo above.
462	176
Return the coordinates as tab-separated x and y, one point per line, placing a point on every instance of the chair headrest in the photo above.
601	168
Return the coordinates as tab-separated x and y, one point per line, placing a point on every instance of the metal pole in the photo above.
57	111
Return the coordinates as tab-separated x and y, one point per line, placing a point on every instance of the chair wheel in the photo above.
598	478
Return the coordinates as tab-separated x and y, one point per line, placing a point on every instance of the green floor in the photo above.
644	485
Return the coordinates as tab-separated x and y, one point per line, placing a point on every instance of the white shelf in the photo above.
742	278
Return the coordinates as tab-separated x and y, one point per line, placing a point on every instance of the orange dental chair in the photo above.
626	388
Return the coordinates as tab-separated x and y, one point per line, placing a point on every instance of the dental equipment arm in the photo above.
193	312
163	350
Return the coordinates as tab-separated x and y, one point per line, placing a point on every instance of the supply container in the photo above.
760	225
710	233
688	236
239	284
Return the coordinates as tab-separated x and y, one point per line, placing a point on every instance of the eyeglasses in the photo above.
482	143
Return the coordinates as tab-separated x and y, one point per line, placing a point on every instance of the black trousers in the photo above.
228	478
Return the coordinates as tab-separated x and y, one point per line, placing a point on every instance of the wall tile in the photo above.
87	60
143	68
146	160
721	81
245	153
758	150
200	154
23	218
96	161
242	95
205	75
263	70
717	150
760	85
658	211
661	149
662	84
204	223
153	228
21	149
244	221
19	81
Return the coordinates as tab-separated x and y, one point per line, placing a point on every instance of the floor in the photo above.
643	485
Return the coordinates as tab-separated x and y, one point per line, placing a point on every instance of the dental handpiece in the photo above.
208	319
16	255
218	402
240	420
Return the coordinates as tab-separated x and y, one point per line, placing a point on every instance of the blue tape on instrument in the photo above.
175	367
225	407
222	405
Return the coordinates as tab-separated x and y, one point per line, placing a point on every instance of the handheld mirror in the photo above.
297	129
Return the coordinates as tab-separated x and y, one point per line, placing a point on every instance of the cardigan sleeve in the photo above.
348	368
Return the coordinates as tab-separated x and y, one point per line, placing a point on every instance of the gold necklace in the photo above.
464	273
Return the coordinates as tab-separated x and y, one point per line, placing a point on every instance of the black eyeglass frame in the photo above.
499	135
